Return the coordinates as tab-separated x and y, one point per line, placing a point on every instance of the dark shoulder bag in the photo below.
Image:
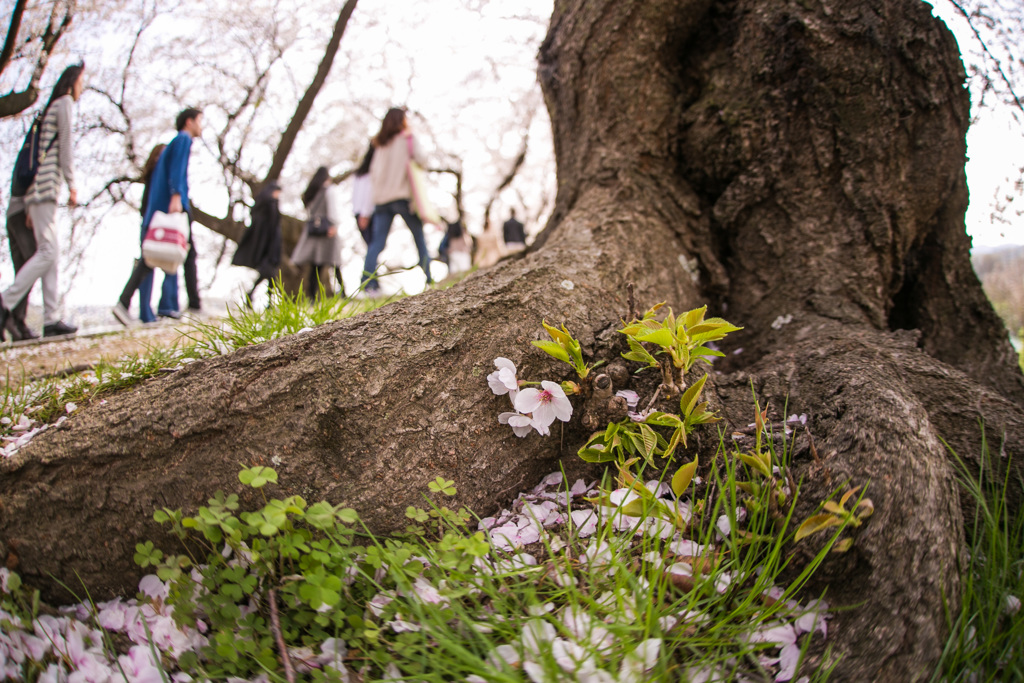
27	163
318	226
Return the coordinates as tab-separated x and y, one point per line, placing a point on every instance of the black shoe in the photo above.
58	329
10	326
26	331
5	315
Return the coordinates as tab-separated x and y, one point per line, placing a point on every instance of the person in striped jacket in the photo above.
41	203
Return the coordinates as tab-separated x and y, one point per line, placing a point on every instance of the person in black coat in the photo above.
260	246
514	233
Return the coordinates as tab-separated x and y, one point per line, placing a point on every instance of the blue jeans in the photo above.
168	294
383	216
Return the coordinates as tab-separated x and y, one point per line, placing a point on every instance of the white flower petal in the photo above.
527	400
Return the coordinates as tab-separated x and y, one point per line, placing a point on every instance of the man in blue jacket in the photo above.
168	192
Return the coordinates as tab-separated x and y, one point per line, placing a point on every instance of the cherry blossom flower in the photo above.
659	528
520	424
632	398
153	587
585	521
426	592
139	665
378	603
641	660
503	380
544	404
503	654
598	554
581	625
785	636
1011	604
813	618
535	634
546	513
553	479
401	626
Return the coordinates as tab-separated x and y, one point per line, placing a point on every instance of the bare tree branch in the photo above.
12	34
226	226
507	180
995	61
306	103
14	103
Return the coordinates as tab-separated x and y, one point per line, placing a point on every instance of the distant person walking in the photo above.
319	246
490	248
362	197
393	146
260	246
168	192
459	249
56	161
169	288
513	233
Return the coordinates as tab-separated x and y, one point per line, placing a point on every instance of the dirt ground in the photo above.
25	360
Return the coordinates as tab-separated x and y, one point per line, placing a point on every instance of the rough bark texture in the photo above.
800	165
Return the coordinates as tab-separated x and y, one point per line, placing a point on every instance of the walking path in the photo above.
104	340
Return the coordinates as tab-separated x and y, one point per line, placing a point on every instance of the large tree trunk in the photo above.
787	161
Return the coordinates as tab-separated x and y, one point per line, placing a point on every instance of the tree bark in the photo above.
799	165
302	110
12	34
13	103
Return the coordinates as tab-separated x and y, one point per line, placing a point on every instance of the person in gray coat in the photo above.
321	253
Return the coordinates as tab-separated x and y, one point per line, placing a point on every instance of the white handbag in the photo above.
166	243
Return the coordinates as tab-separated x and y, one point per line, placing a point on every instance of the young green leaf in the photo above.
596	453
816	523
678	436
694	317
846	496
843	545
638	353
553	349
834	507
682	478
661	336
865	508
650	440
561	337
634	508
442	485
690	397
660	419
754	462
257	476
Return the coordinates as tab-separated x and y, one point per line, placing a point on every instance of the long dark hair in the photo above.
64	84
391	126
315	185
364	165
150	165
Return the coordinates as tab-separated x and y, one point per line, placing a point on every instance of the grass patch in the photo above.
986	640
27	406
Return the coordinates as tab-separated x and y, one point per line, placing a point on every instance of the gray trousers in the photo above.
42	266
22	241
